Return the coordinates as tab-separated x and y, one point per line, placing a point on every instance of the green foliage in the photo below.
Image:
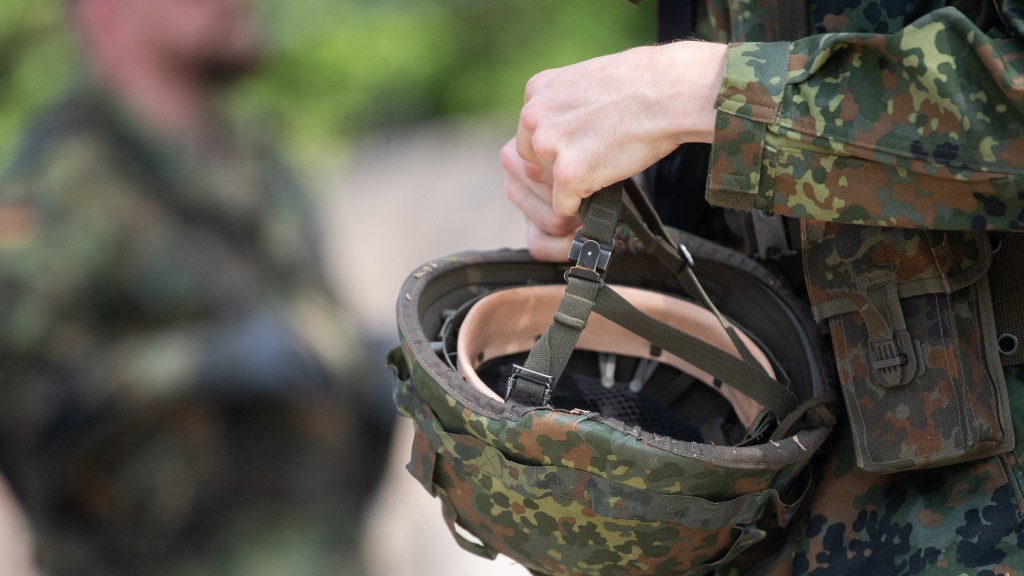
338	67
35	62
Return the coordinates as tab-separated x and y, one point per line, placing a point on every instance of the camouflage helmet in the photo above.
665	434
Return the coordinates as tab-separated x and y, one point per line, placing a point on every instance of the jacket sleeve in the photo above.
920	128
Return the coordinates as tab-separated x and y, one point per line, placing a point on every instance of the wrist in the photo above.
698	68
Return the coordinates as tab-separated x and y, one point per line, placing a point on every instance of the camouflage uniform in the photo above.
890	114
178	380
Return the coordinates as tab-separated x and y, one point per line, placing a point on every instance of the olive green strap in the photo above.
532	383
600	214
742	376
643	221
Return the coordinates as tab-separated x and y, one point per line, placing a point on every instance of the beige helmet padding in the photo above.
509	321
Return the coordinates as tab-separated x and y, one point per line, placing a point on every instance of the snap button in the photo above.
1008	344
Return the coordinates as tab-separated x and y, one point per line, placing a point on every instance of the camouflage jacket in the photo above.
167	342
134	270
888	113
894	115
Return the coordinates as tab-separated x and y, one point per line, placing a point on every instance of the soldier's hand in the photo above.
591	124
548	235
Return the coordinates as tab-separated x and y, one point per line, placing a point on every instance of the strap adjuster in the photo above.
529	386
687	257
591	258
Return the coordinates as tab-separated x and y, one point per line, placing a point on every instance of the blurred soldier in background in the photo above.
180	392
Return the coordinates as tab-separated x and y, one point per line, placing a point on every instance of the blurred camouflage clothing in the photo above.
886	114
172	362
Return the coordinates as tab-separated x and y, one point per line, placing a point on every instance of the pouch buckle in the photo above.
529	386
896	362
591	258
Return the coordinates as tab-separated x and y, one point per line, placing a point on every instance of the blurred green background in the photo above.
345	73
339	68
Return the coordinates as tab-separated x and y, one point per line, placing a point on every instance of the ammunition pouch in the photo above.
915	342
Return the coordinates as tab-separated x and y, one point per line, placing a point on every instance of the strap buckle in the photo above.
591	258
687	257
529	386
896	362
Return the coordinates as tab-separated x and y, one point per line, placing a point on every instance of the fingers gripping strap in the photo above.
532	384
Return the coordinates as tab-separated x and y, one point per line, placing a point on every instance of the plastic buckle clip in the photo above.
896	362
591	259
529	385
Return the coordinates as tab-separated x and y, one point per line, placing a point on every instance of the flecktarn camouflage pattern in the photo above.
891	114
567	491
962	519
915	342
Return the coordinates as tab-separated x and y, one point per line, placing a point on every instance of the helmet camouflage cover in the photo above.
592	454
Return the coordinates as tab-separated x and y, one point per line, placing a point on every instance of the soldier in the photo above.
893	133
180	386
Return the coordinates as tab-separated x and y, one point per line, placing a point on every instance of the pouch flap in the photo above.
838	256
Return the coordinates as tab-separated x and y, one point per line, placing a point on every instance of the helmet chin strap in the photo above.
585	292
487	334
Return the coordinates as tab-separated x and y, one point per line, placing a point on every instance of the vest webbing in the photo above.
1006	278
